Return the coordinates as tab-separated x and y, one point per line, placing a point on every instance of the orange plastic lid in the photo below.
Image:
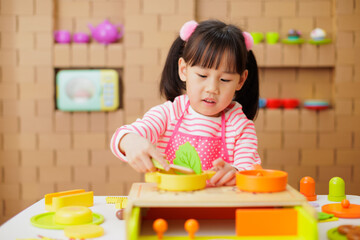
343	209
261	180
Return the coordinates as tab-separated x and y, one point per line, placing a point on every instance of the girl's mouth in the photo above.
209	100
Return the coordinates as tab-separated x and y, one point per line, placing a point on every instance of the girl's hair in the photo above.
205	47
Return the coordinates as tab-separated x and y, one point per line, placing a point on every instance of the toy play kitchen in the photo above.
87	90
251	210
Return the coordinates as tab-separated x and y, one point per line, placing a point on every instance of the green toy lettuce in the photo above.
187	156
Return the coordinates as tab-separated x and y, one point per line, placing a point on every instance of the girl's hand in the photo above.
139	152
225	173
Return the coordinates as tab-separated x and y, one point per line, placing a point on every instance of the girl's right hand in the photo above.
139	152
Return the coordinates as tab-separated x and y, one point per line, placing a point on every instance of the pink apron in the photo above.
208	148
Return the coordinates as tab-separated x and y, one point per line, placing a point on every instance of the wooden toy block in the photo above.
122	174
327	172
289	90
44	108
291	120
326	121
344	73
324	157
37	158
8	58
97	55
76	158
18	74
314	9
34	191
17	40
345	39
172	22
280	9
302	24
62	122
82	174
67	8
348	157
327	55
351	125
308	55
114	119
109	188
35	23
270	90
48	141
10	191
17	7
308	120
152	73
9	125
142	56
89	141
133	74
133	39
44	125
9	158
356	110
20	175
336	140
273	120
8	23
43	41
79	55
105	9
44	7
266	222
159	7
145	90
216	9
139	22
300	140
260	120
270	140
259	52
186	7
85	199
80	121
291	55
273	55
55	174
246	9
22	141
283	156
115	55
97	121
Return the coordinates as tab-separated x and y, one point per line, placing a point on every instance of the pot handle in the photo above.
152	177
209	174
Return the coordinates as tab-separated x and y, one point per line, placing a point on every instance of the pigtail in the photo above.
171	85
248	95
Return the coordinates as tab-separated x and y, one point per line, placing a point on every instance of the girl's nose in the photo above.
212	86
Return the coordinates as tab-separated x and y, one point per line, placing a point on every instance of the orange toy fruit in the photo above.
261	180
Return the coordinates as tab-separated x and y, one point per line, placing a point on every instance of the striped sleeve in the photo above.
245	152
152	126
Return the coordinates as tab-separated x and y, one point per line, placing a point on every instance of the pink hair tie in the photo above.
249	41
187	29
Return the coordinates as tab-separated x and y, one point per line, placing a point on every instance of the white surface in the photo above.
19	227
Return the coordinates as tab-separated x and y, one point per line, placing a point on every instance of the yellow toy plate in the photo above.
174	182
84	231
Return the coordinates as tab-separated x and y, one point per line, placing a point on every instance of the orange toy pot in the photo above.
261	180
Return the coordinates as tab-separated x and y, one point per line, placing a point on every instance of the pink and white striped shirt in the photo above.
158	124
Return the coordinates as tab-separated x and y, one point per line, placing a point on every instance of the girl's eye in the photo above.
224	80
202	76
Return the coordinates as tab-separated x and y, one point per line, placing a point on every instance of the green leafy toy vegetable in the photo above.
187	156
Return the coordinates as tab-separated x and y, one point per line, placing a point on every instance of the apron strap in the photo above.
180	119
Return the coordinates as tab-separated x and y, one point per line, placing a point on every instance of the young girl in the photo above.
210	80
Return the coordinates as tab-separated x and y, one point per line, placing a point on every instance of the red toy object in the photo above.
191	226
343	209
160	226
307	188
290	103
274	103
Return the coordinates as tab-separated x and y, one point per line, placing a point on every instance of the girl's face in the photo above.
210	90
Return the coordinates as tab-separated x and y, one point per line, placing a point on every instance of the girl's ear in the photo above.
242	80
182	69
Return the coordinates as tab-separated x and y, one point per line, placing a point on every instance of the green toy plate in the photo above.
333	234
46	220
320	42
293	41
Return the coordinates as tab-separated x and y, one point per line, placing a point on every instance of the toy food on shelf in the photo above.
318	37
290	103
274	103
257	36
62	36
81	37
294	37
316	104
106	32
272	37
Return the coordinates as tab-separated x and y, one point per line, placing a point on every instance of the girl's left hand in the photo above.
225	173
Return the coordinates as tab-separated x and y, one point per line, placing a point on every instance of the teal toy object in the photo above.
336	189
